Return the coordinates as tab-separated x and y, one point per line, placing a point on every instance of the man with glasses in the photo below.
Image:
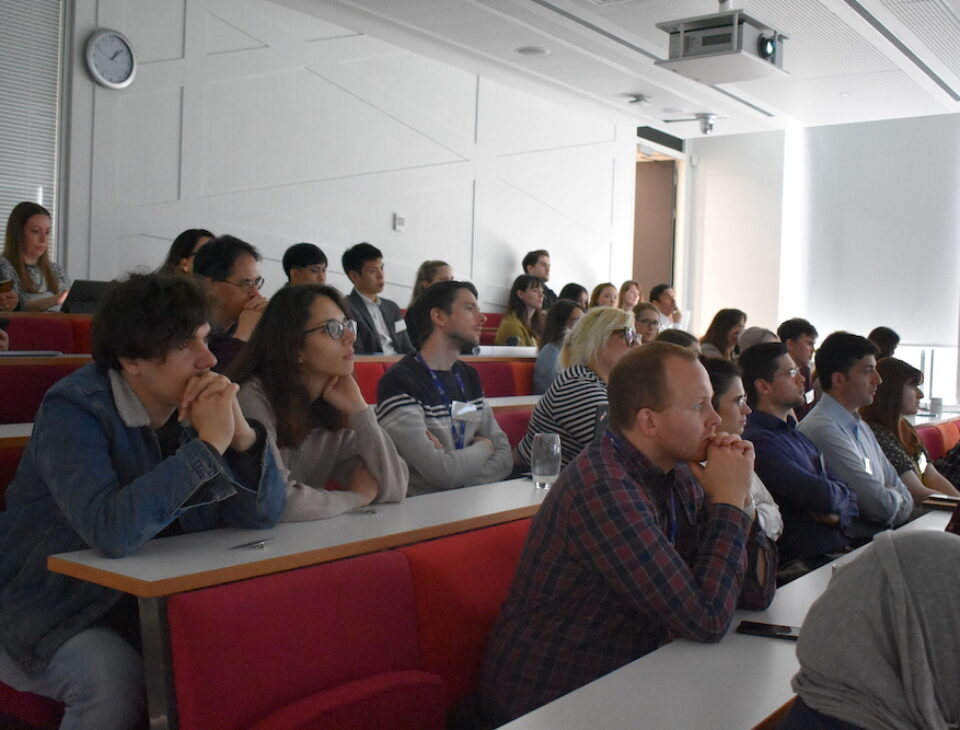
228	269
816	506
432	404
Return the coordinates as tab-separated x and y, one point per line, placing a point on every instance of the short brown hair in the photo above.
639	380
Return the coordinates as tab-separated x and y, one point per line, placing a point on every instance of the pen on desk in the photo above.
255	545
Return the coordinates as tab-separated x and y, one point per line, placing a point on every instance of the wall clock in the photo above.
110	59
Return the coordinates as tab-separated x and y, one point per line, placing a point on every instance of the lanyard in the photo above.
457	434
671	512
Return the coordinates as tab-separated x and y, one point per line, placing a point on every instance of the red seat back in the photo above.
30	710
932	439
368	374
522	371
514	424
244	651
24	387
495	377
458	597
81	334
41	333
949	433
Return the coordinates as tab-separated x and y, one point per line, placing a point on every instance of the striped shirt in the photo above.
568	408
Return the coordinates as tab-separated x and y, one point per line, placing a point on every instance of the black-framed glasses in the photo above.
335	328
246	284
628	334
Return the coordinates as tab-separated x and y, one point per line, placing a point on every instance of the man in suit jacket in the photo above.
380	328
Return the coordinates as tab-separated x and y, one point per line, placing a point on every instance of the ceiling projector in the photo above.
723	48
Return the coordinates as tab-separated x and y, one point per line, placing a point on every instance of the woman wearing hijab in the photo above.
878	649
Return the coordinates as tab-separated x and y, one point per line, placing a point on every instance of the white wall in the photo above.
735	212
249	118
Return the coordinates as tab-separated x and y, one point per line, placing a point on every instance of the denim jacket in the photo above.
92	476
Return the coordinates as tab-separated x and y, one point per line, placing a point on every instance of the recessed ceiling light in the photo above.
532	51
845	93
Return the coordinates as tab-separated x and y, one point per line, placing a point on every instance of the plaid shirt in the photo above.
600	584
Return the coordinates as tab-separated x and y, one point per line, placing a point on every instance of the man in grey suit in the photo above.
380	328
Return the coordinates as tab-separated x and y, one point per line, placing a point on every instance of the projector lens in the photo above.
766	47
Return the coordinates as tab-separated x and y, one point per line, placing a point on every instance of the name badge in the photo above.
809	396
400	326
922	463
467	412
867	467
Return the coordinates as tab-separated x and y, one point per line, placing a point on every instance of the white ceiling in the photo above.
846	60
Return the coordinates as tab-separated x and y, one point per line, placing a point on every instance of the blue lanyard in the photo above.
458	434
672	511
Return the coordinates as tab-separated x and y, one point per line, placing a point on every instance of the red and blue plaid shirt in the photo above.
600	582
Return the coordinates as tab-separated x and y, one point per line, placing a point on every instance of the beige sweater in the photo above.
325	455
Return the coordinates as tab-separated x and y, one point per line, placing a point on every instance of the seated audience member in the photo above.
380	328
665	299
730	402
755	335
630	295
4	340
523	322
296	379
647	322
576	293
879	648
604	295
561	318
183	249
847	371
800	337
886	341
722	338
305	263
432	404
429	273
816	506
40	285
681	338
635	544
228	269
537	263
569	407
899	395
112	464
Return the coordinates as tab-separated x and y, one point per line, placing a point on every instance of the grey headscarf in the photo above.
881	647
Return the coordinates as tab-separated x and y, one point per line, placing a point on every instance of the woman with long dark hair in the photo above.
296	379
722	338
576	293
183	249
40	284
897	396
560	320
524	317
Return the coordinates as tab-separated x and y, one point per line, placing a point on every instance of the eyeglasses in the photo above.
791	373
335	328
246	284
650	322
629	336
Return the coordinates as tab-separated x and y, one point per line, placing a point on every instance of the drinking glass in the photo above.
545	459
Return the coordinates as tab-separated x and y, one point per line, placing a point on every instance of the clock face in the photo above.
110	59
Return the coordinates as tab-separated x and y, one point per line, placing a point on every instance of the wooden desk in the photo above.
513	402
76	360
15	435
198	560
734	684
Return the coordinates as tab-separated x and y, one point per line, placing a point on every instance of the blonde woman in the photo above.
569	407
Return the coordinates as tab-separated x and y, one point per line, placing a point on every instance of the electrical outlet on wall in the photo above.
399	222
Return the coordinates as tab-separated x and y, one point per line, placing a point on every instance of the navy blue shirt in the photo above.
789	465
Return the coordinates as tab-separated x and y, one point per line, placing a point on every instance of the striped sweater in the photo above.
568	408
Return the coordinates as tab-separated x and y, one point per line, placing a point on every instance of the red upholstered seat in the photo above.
460	582
495	377
487	336
41	333
932	439
949	433
29	710
493	320
81	334
368	374
522	371
514	424
244	651
24	387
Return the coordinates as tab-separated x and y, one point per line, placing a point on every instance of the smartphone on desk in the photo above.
774	631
